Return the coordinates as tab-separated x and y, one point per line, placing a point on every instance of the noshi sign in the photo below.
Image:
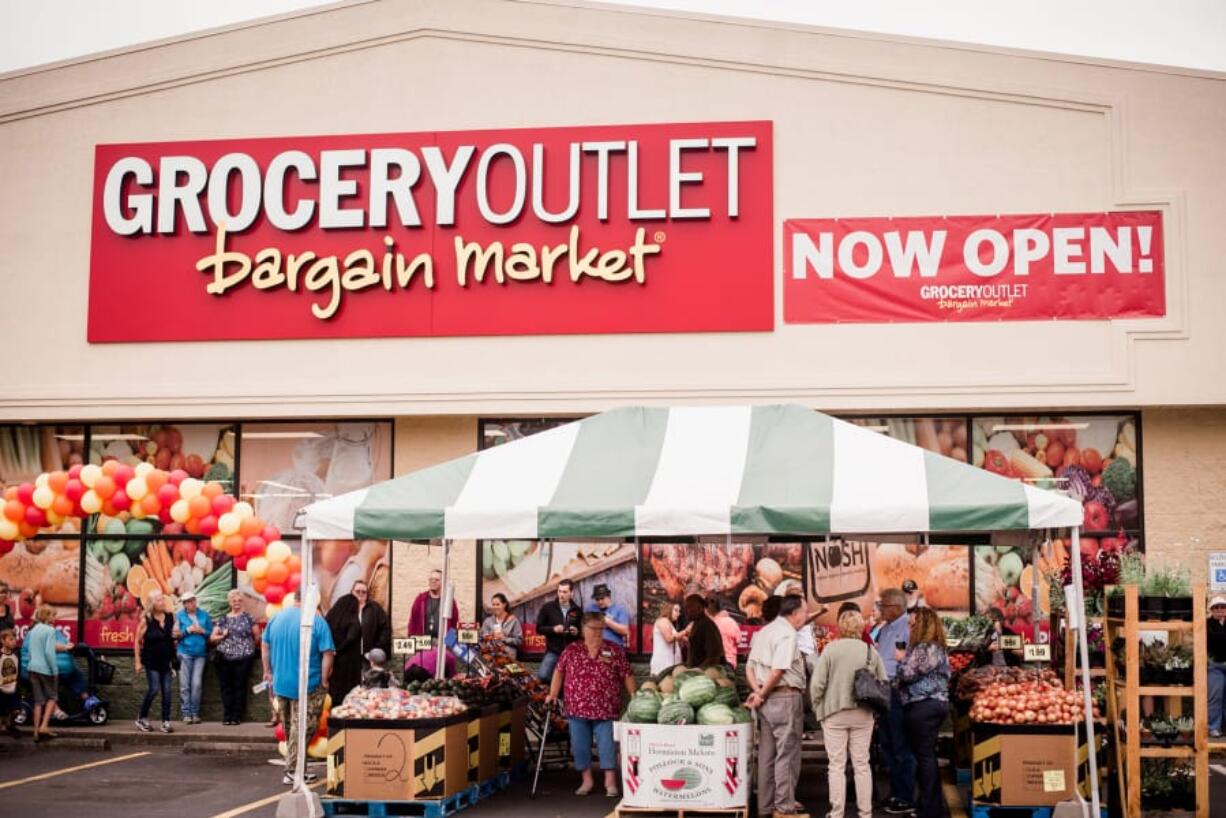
602	229
974	268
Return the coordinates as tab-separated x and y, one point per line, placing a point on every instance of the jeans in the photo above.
780	723
898	758
849	732
191	683
581	732
1217	688
548	663
158	681
232	677
922	720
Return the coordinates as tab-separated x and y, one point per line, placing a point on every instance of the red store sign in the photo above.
609	229
974	268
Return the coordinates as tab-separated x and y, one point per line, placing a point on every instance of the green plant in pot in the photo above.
1178	595
1153	594
1154	656
1157	785
1186	727
1179	665
1132	572
1164	729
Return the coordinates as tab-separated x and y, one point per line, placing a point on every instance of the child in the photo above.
377	675
10	663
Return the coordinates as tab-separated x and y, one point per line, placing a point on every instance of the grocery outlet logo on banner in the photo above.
974	268
603	229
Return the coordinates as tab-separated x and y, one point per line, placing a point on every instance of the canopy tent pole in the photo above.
444	610
301	802
1036	554
1083	648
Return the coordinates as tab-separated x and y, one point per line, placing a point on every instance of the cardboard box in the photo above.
1028	765
512	740
483	744
372	760
690	766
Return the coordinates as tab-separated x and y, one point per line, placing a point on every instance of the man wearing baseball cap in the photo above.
1215	638
192	628
616	618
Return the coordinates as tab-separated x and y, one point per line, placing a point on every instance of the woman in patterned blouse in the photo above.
235	636
592	673
923	680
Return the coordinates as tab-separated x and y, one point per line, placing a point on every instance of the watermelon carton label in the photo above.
695	766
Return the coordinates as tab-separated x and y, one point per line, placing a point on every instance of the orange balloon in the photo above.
192	526
155	480
199	506
250	527
150	504
259	584
294	563
62	506
27	530
15	511
211	490
57	481
105	487
108	509
277	573
233	545
110	466
10	493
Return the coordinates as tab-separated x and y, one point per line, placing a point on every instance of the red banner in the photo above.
974	268
608	229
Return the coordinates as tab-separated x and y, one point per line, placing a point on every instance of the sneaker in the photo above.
195	719
1215	734
166	728
143	726
307	778
897	807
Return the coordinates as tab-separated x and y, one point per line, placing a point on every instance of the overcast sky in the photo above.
1190	33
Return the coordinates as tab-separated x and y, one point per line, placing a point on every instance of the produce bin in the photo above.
1028	765
512	736
483	743
691	766
397	760
963	742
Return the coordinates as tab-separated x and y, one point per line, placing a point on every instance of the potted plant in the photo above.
1153	595
1131	572
1146	730
1186	727
1157	787
1165	730
1183	787
1154	657
1178	665
1178	595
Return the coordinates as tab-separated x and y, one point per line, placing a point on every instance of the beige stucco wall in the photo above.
863	126
1184	473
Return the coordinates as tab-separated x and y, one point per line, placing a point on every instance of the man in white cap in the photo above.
1215	638
192	628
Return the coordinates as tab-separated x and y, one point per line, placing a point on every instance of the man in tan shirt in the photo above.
776	674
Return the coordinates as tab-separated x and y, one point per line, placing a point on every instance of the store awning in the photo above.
689	471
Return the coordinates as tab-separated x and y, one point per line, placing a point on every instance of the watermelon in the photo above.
715	714
644	708
725	693
741	715
697	690
675	712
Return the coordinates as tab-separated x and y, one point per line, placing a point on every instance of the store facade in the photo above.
308	254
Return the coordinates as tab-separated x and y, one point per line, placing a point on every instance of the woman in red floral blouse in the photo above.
592	674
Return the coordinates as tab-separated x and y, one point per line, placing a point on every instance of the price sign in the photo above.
1036	653
1053	781
424	643
403	647
1010	642
953	643
468	633
513	669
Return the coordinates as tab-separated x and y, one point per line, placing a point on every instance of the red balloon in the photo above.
240	562
35	516
280	732
123	473
274	593
178	476
75	471
6	546
270	533
168	493
164	516
254	546
208	525
294	581
223	503
74	489
25	493
120	500
15	510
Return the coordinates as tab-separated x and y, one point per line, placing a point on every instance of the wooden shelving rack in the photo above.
1124	699
1071	677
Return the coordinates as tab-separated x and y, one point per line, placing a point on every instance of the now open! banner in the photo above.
974	268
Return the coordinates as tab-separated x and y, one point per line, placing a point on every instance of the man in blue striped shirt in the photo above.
894	634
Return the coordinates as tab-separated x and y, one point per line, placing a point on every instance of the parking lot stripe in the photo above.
263	802
6	784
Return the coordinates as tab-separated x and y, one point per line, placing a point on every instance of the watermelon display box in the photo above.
666	766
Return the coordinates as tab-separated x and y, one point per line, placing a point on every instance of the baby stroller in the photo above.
93	709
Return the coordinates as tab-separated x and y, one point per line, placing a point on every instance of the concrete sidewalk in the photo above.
206	737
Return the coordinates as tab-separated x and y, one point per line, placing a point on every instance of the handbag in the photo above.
867	689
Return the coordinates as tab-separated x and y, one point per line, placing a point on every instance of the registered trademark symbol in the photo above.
659	237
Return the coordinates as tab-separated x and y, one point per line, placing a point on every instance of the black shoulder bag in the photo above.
867	689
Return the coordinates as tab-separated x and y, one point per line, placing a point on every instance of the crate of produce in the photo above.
1028	765
690	766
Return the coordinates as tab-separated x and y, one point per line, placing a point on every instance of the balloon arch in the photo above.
199	507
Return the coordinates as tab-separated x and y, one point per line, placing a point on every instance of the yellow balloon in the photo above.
137	488
243	510
53	518
90	503
271	610
318	748
42	480
289	601
89	474
218	540
190	487
179	511
137	511
282	748
277	552
142	469
257	567
44	497
8	529
228	523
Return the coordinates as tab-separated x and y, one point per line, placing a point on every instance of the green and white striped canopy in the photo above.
690	471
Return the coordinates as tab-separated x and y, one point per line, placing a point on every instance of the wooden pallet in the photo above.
434	808
677	812
997	811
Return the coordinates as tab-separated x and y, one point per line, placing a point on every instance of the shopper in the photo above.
847	727
1216	645
776	675
666	640
892	636
279	654
358	626
193	625
616	618
154	653
591	674
7	619
502	628
559	621
376	673
234	638
10	670
705	642
923	680
44	678
423	618
729	630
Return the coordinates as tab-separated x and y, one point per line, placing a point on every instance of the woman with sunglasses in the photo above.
358	625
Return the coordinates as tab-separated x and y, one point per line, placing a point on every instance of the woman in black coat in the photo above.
358	626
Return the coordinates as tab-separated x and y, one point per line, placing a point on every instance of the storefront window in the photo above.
945	436
205	451
497	432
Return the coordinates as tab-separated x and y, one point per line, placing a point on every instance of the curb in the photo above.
226	748
177	739
60	743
